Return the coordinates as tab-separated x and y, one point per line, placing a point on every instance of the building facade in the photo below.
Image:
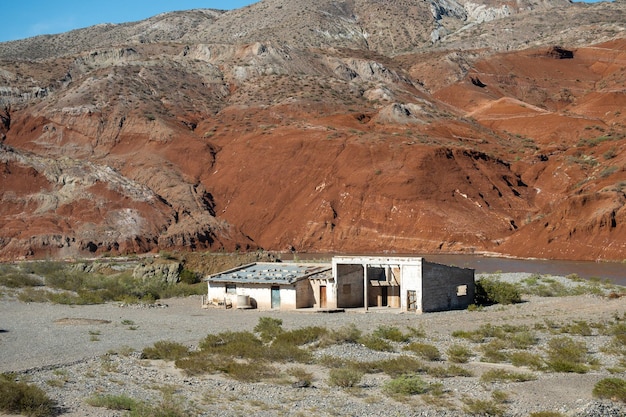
405	283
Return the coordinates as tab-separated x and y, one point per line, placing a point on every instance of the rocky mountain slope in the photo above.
354	126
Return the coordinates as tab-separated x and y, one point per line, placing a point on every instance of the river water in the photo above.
612	271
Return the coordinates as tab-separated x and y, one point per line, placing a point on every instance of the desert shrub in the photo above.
344	377
302	336
501	375
189	277
424	350
170	406
287	352
252	371
531	360
448	372
408	384
180	289
581	328
165	349
235	344
546	414
400	365
473	336
459	353
112	402
31	295
23	398
492	351
611	388
492	291
566	355
345	334
303	378
199	363
268	328
522	340
65	279
391	333
331	361
17	280
478	407
618	340
375	343
416	331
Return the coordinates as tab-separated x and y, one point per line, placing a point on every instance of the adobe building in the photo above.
403	283
407	283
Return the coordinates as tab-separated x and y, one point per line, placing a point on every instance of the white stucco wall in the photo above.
260	295
411	280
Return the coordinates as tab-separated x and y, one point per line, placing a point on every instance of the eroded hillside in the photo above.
355	126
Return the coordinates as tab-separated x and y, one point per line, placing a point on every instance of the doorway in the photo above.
275	297
322	296
411	300
384	296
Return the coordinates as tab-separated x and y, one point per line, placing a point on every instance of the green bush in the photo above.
281	351
531	360
492	291
18	280
477	407
459	353
448	372
473	336
189	277
391	333
424	350
567	355
345	377
408	384
492	351
302	336
235	344
23	398
113	402
166	350
611	388
400	365
375	343
345	334
303	378
268	328
501	375
581	328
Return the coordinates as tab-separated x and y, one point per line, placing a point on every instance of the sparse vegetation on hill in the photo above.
349	127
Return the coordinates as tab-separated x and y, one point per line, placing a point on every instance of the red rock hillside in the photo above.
322	136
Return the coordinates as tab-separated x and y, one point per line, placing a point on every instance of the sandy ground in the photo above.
45	341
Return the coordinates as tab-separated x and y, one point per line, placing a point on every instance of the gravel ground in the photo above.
76	352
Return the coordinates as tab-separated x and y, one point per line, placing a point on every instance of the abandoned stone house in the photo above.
403	283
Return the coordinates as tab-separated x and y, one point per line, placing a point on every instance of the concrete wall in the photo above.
411	277
305	295
260	295
331	292
446	287
350	282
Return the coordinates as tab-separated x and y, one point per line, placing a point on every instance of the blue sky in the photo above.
26	18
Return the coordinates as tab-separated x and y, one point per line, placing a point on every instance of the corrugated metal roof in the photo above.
271	273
